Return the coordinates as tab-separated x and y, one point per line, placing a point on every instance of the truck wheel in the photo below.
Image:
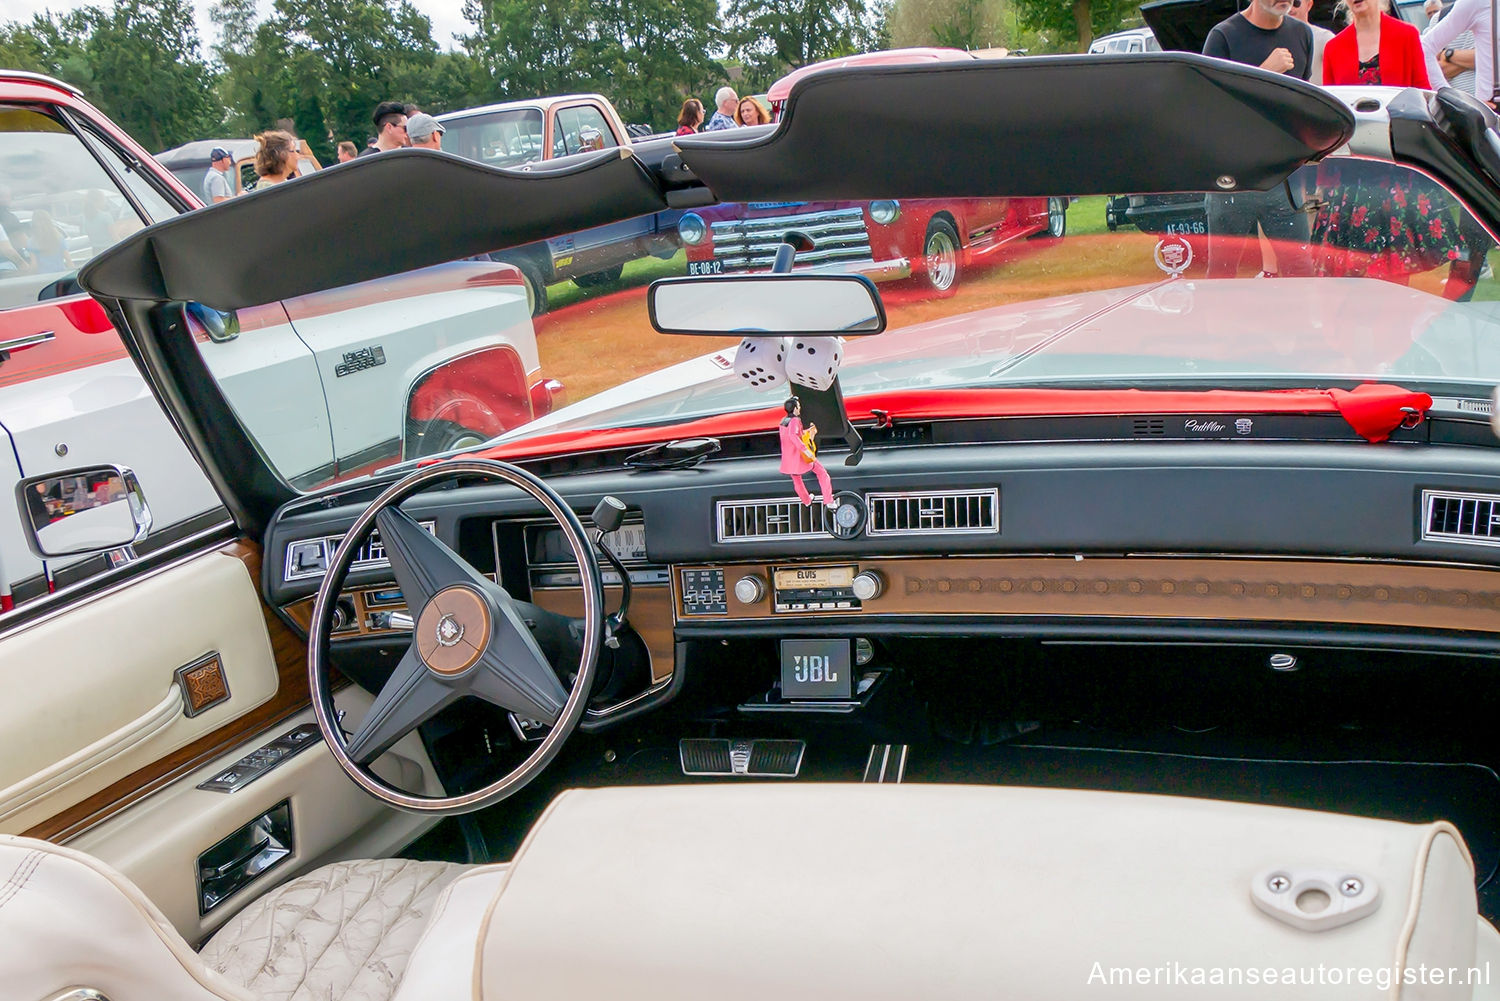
1057	217
441	436
536	288
598	278
940	248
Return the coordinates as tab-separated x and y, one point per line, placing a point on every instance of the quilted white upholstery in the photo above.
341	933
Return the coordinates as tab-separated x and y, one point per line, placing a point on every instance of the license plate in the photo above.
816	669
714	267
1194	228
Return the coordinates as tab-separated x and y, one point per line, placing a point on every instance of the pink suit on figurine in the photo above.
798	454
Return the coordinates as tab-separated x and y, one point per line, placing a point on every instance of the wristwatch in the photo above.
1448	54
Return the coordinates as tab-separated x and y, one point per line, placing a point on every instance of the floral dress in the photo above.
1379	220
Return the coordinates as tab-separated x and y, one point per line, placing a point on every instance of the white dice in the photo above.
760	362
813	361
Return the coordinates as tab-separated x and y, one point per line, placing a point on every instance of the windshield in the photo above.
497	138
1354	271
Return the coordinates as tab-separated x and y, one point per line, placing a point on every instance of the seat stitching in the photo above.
20	877
270	909
405	911
343	926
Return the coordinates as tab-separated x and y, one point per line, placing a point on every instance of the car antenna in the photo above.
823	407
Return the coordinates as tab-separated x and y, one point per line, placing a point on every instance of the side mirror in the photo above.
220	327
83	512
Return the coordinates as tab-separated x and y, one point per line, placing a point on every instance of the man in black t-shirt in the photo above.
1261	35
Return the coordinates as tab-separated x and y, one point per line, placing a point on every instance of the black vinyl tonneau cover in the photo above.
1046	125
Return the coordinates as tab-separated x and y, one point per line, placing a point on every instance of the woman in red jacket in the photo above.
1376	49
1377	221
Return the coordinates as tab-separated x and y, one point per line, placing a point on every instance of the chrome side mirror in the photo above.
83	512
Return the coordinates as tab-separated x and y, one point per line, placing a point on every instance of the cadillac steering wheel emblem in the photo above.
449	630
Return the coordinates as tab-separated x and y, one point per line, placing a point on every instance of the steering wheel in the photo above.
470	637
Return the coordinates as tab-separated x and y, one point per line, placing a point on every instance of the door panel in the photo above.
89	692
156	843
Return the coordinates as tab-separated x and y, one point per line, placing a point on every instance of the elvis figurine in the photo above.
799	454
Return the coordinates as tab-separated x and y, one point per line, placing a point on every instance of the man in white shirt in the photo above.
215	183
1466	15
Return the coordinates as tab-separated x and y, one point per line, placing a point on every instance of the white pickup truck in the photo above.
427	361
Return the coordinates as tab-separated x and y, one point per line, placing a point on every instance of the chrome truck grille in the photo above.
838	235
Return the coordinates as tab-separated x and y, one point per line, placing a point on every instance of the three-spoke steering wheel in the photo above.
469	638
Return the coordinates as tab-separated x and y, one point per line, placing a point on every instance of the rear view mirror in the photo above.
81	512
773	305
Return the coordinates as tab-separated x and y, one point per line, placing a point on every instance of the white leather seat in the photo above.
797	892
341	933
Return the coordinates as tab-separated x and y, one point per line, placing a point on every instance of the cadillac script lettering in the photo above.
1203	427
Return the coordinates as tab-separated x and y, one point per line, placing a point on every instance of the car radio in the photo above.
841	588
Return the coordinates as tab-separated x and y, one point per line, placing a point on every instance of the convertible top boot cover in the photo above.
341	933
881	892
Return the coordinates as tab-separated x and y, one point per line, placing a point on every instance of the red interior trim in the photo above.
1373	410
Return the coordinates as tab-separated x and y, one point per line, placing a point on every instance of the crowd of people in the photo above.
279	153
730	111
1366	217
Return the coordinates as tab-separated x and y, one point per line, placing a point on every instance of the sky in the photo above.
445	14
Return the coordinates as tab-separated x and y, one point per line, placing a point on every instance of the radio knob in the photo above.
749	589
868	585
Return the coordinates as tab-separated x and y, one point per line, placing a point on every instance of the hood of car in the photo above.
1182	25
277	244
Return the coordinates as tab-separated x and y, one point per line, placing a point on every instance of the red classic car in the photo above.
934	239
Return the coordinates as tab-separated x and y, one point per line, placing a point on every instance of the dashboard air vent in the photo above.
1461	517
1149	426
942	511
781	518
1477	406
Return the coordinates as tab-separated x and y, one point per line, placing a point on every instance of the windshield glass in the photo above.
497	138
1355	270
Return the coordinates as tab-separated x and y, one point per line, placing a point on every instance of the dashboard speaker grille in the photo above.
1461	517
946	512
780	518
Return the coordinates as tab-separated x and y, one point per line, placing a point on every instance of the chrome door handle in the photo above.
27	340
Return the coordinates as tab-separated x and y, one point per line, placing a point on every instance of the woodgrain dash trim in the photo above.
291	697
1327	591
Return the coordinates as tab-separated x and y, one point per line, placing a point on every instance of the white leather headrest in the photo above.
881	892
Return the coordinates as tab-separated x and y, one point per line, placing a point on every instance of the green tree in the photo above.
139	61
1076	21
961	24
530	48
651	54
770	37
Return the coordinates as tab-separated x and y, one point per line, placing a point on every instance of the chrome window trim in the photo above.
47	607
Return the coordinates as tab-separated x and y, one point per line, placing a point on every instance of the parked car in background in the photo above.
519	134
188	163
1129	40
69	394
931	239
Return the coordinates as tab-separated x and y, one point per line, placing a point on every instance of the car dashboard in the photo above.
1025	529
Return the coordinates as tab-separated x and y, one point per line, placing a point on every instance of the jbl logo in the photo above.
811	668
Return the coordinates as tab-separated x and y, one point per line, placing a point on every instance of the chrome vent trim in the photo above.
1456	516
370	555
934	512
1477	406
769	518
839	236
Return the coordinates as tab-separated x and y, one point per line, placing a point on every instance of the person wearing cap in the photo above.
726	101
216	187
424	131
390	127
